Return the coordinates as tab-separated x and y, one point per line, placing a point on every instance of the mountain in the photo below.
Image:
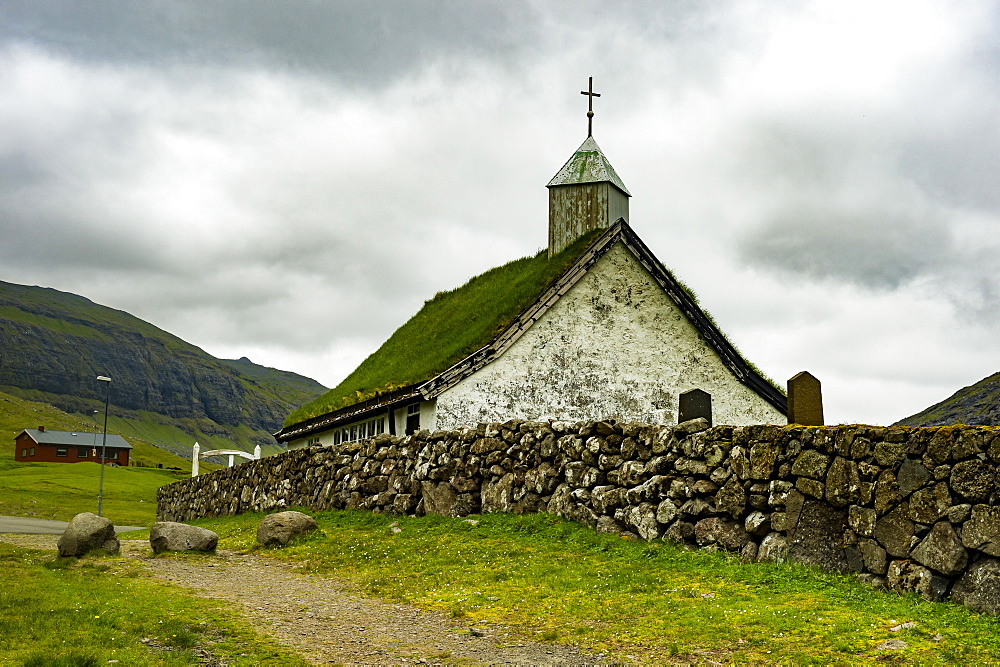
53	345
978	404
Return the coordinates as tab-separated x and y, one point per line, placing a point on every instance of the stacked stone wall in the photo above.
911	509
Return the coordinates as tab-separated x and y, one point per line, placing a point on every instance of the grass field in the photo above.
60	612
62	490
554	580
542	578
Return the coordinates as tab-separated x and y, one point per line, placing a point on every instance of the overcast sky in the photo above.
289	181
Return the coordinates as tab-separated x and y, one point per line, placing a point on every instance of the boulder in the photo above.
726	533
972	479
817	537
842	482
979	587
172	536
282	527
774	547
894	530
982	530
905	576
941	550
88	532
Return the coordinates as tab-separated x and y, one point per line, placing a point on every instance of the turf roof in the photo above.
448	328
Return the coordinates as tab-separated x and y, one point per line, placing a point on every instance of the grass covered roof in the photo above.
448	328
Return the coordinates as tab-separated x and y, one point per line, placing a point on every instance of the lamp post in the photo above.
104	444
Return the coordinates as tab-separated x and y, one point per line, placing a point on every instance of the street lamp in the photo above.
104	444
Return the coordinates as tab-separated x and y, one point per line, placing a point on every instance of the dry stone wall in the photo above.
910	509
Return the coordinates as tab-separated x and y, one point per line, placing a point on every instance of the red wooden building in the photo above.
69	447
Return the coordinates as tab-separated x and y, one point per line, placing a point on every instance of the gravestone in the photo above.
694	404
805	400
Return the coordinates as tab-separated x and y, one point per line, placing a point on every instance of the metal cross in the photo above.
590	105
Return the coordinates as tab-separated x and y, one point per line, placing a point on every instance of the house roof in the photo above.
74	438
588	165
538	285
447	329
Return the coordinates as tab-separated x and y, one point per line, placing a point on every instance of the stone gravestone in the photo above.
694	404
805	400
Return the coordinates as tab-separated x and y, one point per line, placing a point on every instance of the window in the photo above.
62	451
32	451
24	452
82	452
312	441
412	418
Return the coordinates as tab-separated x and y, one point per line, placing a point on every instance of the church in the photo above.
595	327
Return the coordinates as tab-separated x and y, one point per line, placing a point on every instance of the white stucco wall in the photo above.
615	346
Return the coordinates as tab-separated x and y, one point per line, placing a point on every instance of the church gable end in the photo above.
615	345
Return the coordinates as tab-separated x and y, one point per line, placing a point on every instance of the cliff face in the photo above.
54	345
978	404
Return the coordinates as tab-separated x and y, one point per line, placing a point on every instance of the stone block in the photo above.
873	556
889	454
680	531
762	457
731	499
979	587
805	400
773	548
930	503
282	527
941	550
757	524
894	530
606	524
861	519
887	493
911	476
817	539
811	463
666	511
973	480
904	576
810	487
642	519
982	530
727	533
778	491
842	482
438	498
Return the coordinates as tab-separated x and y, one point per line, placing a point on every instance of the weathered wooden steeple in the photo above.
586	194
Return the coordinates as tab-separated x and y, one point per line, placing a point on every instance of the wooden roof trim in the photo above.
349	414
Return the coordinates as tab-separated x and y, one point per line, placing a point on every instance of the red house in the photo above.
68	447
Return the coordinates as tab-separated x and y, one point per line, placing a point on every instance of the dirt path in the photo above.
326	624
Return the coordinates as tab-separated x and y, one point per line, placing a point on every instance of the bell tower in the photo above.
586	194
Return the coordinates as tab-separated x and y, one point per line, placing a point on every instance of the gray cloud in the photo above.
361	42
879	247
294	179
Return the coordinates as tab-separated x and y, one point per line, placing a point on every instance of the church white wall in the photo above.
615	346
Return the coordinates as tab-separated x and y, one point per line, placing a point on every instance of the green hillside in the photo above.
977	404
54	344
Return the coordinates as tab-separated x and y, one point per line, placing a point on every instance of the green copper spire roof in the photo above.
588	165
